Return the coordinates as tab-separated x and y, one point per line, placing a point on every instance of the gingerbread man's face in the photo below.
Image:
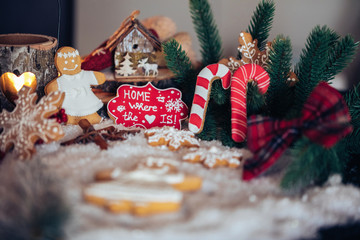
67	61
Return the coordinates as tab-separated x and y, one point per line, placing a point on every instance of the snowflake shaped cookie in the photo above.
214	156
169	136
29	122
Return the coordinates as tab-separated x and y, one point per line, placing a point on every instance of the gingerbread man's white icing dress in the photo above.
79	98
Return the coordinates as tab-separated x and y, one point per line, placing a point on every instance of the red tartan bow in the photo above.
325	120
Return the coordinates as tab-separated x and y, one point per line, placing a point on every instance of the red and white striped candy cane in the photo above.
202	93
238	96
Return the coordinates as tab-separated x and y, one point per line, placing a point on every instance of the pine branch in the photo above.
313	165
279	95
209	131
342	54
255	101
219	95
311	68
261	21
352	98
206	30
179	63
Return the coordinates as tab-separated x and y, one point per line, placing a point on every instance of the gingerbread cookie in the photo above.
153	187
29	122
232	63
80	102
250	52
138	197
213	157
172	138
292	79
154	170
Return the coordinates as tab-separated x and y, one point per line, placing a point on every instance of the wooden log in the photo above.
34	53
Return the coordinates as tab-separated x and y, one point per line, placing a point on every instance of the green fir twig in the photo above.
179	63
313	165
341	54
206	30
311	68
261	22
348	149
255	100
279	95
352	98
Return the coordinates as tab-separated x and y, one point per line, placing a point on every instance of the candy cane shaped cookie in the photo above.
202	93
238	96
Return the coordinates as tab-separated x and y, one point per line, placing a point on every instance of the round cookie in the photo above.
154	186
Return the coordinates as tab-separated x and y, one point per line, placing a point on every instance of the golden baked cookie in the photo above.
215	157
29	122
172	138
154	186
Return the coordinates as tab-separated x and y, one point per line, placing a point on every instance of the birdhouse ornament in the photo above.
80	102
136	50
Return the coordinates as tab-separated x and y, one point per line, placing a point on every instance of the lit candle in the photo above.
11	84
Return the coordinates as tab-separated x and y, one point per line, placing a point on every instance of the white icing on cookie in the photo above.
153	170
174	138
210	157
29	122
134	190
158	161
156	175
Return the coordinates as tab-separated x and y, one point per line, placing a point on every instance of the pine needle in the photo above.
279	95
179	63
255	101
341	54
311	68
206	30
312	166
261	22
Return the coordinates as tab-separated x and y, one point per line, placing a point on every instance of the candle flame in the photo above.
27	78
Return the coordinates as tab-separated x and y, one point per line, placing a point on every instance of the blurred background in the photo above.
85	24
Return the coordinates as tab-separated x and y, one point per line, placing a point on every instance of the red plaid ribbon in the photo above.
325	120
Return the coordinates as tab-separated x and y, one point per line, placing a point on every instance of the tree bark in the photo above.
34	53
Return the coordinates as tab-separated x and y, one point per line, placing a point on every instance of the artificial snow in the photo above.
224	208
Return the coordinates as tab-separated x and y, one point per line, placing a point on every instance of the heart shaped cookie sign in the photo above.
147	107
11	84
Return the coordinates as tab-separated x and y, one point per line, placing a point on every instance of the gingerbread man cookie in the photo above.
80	102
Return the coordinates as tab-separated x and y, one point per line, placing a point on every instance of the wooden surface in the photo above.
28	53
164	74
